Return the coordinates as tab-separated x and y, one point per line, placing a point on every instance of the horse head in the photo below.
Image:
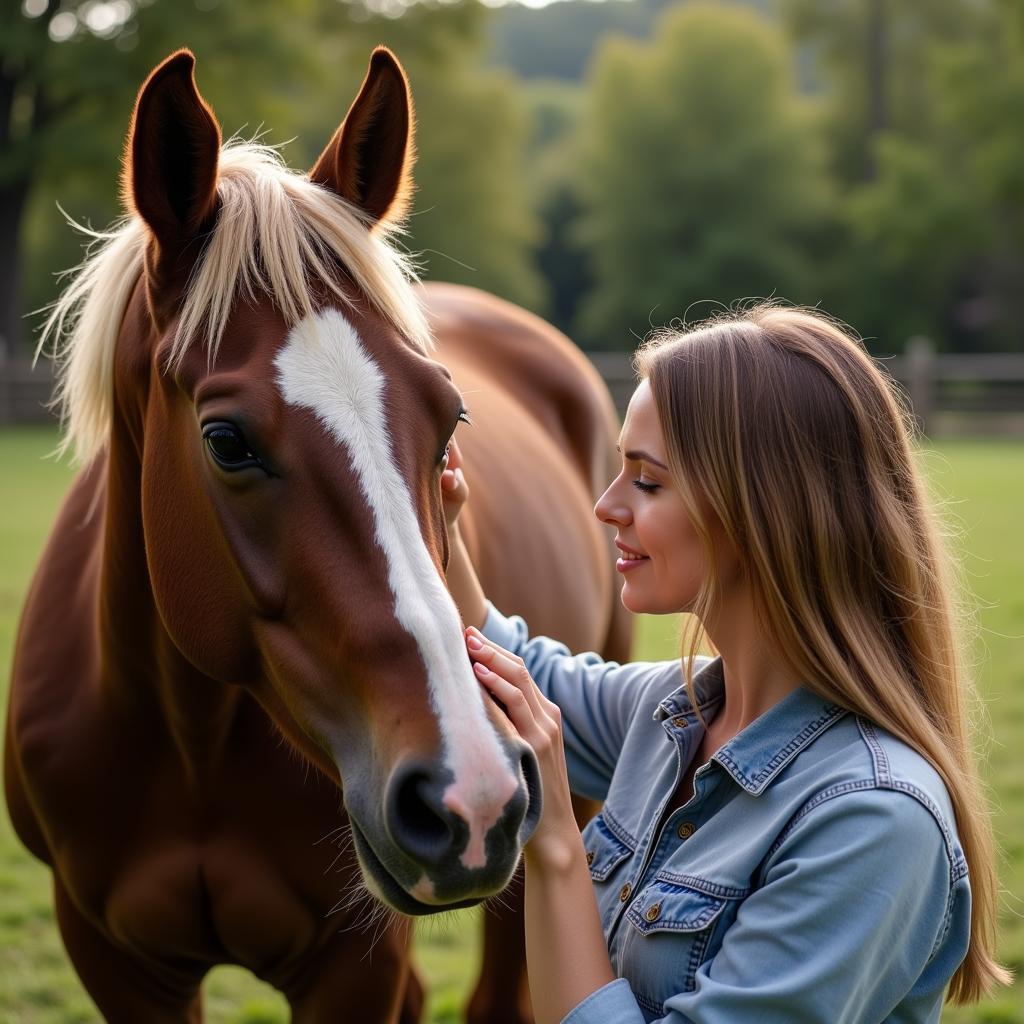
291	427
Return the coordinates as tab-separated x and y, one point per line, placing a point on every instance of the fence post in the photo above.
921	378
6	385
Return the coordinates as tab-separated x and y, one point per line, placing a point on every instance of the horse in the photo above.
242	726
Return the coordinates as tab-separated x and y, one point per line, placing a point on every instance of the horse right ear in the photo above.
169	174
369	159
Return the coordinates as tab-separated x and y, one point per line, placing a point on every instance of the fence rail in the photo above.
25	391
950	393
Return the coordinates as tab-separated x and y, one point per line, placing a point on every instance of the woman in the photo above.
794	830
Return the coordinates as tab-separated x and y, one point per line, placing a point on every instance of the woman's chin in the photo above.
633	600
639	603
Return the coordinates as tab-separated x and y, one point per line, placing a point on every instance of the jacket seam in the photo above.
955	861
879	758
618	830
819	798
698	923
727	892
947	924
783	756
649	1004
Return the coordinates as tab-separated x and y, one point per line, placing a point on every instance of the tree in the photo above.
471	217
555	109
69	72
701	176
938	236
870	58
285	68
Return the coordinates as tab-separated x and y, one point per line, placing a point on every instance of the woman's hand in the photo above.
454	489
463	583
566	956
538	721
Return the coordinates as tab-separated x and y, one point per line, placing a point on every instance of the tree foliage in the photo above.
934	235
69	77
870	58
701	178
472	219
284	68
866	154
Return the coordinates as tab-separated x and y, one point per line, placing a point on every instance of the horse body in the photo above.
239	694
541	449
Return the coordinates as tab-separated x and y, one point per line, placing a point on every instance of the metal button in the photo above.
686	829
653	912
624	892
680	722
590	856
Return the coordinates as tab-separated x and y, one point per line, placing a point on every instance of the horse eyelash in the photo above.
464	417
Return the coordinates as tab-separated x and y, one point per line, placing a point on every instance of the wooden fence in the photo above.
979	394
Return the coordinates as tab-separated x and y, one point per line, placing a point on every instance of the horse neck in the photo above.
143	673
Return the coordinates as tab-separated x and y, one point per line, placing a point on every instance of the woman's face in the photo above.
662	559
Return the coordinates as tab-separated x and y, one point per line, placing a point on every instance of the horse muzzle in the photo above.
443	843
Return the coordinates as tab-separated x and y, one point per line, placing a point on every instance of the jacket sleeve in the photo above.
597	698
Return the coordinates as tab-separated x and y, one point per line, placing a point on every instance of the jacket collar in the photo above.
756	754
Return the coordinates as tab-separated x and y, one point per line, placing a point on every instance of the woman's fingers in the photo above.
454	492
539	722
454	455
518	709
497	660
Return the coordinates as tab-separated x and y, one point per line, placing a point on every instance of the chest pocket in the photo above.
671	930
605	850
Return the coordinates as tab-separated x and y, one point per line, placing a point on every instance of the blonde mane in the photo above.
276	232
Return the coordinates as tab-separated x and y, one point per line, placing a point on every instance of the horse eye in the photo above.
228	446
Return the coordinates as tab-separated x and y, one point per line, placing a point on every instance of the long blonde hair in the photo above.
779	422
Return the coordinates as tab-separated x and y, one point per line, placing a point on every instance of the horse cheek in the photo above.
191	569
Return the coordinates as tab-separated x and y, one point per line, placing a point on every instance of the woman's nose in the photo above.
611	509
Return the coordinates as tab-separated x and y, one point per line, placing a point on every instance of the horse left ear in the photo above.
369	159
170	168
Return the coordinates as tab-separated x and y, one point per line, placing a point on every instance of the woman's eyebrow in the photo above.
641	456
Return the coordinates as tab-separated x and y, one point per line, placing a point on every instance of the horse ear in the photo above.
170	165
369	159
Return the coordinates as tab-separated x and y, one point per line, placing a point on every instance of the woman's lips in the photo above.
630	558
626	564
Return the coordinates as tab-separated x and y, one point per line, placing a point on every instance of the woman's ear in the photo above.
369	159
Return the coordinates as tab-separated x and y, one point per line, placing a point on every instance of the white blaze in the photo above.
323	367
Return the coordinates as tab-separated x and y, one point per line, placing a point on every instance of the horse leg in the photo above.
413	1000
125	990
348	982
502	993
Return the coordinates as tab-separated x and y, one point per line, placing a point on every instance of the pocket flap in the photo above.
663	907
604	849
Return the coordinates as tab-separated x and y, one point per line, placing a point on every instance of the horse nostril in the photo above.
534	796
418	821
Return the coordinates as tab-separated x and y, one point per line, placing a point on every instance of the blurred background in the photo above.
613	166
610	165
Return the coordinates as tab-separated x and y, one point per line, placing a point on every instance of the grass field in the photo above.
984	485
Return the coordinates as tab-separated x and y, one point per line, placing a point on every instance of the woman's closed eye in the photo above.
645	486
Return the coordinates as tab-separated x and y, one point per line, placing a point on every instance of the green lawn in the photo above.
984	485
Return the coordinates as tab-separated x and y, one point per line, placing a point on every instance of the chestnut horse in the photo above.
242	722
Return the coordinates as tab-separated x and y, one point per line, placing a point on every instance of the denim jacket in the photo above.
814	877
